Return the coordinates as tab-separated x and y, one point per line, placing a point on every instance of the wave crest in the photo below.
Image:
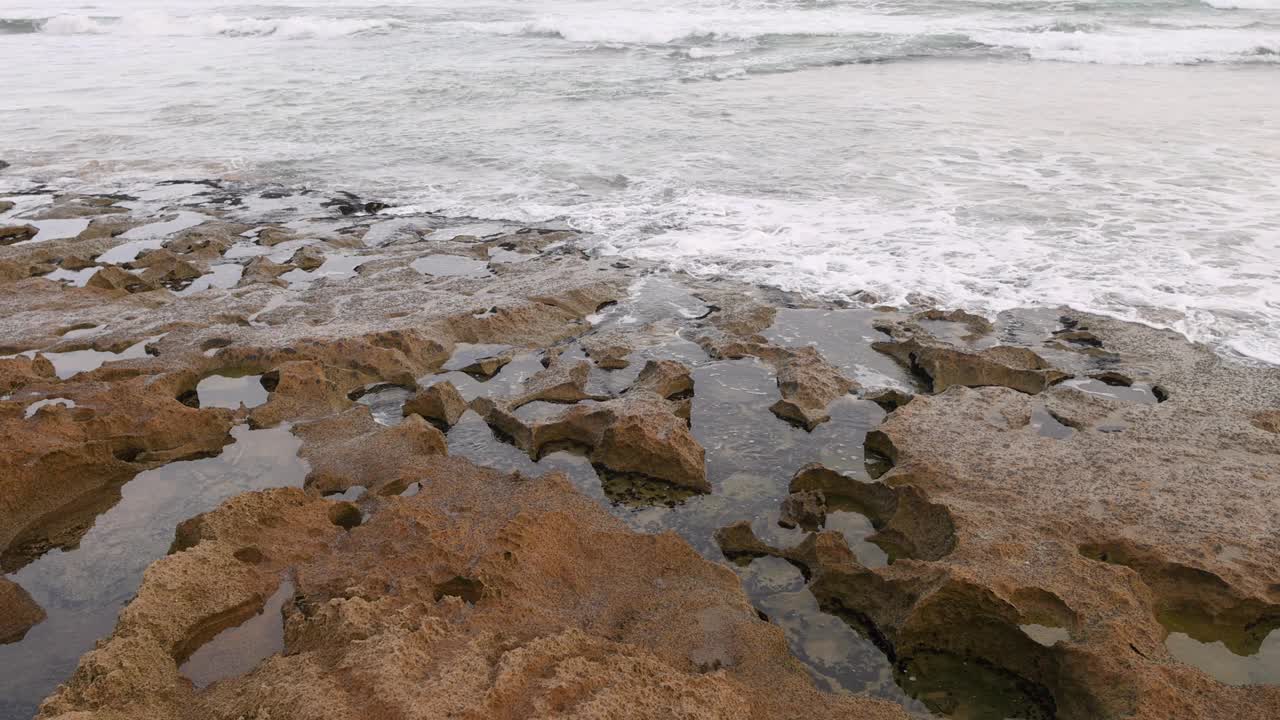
210	25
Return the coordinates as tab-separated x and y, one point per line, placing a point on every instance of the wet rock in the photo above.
944	366
816	552
666	378
889	399
164	268
75	261
639	433
486	368
1103	534
18	612
462	600
351	449
739	315
63	468
10	234
73	207
808	384
806	509
5	206
441	404
262	270
113	277
609	351
978	326
559	382
647	438
272	236
307	258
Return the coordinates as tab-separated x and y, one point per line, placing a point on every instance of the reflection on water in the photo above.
83	589
237	650
231	391
1243	654
751	456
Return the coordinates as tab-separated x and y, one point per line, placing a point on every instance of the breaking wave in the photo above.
865	36
208	25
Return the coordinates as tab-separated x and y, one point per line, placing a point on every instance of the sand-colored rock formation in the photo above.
483	596
1150	517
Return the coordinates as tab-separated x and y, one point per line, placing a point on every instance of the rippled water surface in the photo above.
1121	156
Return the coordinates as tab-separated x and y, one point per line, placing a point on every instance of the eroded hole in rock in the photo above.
36	406
73	362
345	515
238	649
1114	389
450	266
1046	635
640	491
385	402
1048	424
249	555
1230	637
469	590
965	688
84	586
77	330
231	389
1229	650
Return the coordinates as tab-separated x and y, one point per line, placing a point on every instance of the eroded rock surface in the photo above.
440	404
482	596
944	365
642	432
1150	517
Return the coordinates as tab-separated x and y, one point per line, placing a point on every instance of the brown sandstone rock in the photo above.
559	382
10	234
609	351
352	449
65	466
1146	511
486	368
272	236
808	384
441	403
307	258
639	433
262	270
113	277
18	612
807	509
482	596
944	366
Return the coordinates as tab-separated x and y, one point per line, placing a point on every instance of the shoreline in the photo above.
224	191
1038	495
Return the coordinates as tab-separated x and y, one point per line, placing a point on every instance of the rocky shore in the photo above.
273	453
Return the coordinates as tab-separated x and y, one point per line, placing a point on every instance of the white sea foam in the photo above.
157	24
1243	4
1136	46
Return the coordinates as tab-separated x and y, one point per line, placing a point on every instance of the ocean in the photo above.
1116	156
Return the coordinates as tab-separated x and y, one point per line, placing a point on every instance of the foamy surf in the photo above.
156	24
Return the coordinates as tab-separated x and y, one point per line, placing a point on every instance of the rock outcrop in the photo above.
1151	517
440	404
18	612
481	596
